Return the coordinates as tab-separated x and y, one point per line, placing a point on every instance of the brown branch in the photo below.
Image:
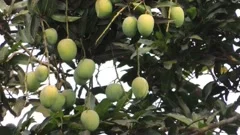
216	125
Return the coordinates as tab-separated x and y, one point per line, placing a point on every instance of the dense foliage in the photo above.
168	59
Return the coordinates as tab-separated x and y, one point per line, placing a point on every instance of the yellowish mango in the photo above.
103	8
140	87
145	24
129	26
67	49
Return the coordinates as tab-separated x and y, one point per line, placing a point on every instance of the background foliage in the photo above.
207	42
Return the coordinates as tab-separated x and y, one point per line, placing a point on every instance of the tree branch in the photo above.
216	125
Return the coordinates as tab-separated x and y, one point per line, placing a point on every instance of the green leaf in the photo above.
141	51
183	106
173	130
145	41
75	126
5	131
4	52
125	122
192	12
19	105
20	5
165	4
28	114
208	89
182	119
139	7
46	126
197	37
46	7
222	107
168	64
19	18
90	101
212	117
102	107
45	112
207	61
40	108
215	12
3	5
24	34
121	103
21	74
20	59
151	132
62	18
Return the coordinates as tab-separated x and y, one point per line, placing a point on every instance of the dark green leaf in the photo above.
208	89
121	103
19	59
19	105
183	119
4	52
102	107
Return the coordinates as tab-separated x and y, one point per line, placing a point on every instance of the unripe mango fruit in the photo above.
85	68
129	26
32	82
51	36
67	49
114	92
145	24
140	87
41	73
58	103
48	95
103	8
70	97
90	120
177	15
78	80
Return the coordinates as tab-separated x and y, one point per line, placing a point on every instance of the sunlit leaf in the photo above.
183	119
165	4
197	37
90	101
141	51
62	18
4	52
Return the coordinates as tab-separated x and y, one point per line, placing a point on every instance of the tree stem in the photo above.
66	16
216	125
169	10
138	60
105	30
46	49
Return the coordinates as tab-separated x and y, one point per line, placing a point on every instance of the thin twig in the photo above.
46	49
169	11
213	76
138	60
115	68
25	78
66	16
105	30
